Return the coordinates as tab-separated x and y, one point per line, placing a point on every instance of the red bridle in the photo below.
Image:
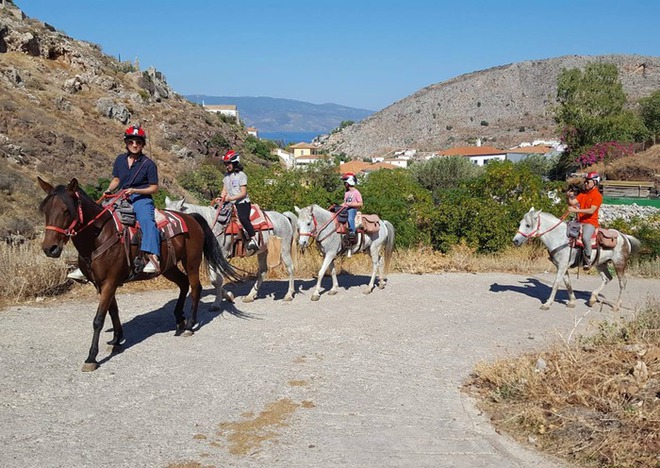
314	232
71	230
536	233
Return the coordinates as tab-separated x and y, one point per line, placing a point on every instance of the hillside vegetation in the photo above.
64	105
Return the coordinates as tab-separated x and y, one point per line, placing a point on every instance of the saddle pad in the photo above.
258	218
170	224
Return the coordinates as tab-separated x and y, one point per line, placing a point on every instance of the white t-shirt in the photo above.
233	183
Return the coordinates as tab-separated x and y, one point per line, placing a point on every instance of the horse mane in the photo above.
62	192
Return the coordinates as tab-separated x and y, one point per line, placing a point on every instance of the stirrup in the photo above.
77	275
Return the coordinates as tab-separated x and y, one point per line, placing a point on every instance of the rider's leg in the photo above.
243	211
587	233
146	216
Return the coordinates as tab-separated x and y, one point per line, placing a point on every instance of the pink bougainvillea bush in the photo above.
605	152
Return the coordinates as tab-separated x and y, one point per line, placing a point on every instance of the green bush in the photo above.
646	231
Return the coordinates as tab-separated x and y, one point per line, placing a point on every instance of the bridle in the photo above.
317	230
72	230
536	232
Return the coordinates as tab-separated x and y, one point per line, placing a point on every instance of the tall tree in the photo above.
591	109
650	112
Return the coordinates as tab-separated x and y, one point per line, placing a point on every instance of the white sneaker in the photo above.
150	268
77	275
252	245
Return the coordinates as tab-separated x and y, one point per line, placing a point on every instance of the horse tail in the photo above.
635	245
293	219
212	252
389	246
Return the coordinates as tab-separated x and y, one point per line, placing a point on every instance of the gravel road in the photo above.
351	380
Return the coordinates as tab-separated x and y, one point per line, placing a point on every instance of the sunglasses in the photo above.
135	142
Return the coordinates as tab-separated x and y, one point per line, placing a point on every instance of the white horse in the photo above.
316	222
553	233
284	227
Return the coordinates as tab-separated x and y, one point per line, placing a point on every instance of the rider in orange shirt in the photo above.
586	204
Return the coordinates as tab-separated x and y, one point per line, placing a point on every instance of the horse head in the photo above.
63	213
175	205
528	227
306	225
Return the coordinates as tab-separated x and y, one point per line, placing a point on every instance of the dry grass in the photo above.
594	401
28	274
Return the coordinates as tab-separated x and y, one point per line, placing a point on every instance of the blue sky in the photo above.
358	53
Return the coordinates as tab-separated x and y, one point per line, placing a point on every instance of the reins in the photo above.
536	233
71	230
316	231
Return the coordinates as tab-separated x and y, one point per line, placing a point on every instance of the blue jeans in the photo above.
351	218
145	214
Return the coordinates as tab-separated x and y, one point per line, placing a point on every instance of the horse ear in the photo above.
167	200
45	186
73	185
531	210
297	209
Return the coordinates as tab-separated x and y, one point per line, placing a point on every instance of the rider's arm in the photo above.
114	183
240	196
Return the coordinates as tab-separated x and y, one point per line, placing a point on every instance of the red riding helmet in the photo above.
135	131
593	176
231	156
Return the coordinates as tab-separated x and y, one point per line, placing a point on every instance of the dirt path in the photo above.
351	380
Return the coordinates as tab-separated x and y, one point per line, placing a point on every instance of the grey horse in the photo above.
284	227
317	222
553	233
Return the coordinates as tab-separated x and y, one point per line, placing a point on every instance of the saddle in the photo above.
227	217
169	224
603	238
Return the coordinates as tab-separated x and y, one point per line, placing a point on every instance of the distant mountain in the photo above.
502	106
269	114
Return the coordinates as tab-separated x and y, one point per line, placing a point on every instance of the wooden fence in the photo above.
626	188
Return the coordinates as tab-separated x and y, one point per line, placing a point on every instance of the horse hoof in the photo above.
381	285
545	307
570	305
188	333
315	297
591	302
90	366
288	298
332	292
248	299
230	297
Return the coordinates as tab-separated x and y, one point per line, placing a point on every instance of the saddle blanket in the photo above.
259	220
169	223
368	223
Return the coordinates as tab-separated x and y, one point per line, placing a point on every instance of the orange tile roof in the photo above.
471	151
304	146
353	166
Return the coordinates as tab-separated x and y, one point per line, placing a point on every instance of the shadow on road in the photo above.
536	289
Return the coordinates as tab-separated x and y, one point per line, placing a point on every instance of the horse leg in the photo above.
335	283
620	269
288	262
374	262
107	296
261	275
220	292
177	276
561	271
117	329
329	259
605	277
569	288
195	296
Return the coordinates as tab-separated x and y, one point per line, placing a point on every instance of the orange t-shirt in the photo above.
587	200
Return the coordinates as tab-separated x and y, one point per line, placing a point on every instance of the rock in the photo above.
112	110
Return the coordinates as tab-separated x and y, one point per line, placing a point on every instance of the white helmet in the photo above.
349	178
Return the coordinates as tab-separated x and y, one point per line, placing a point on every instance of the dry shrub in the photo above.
593	402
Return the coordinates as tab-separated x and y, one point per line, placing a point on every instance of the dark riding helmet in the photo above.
135	132
593	176
231	156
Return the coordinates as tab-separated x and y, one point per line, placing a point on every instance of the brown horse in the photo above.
102	256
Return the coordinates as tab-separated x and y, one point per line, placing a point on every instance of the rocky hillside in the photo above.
63	108
503	106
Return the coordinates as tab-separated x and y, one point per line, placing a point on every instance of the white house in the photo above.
479	155
229	110
285	157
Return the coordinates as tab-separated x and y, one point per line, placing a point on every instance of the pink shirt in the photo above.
352	196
